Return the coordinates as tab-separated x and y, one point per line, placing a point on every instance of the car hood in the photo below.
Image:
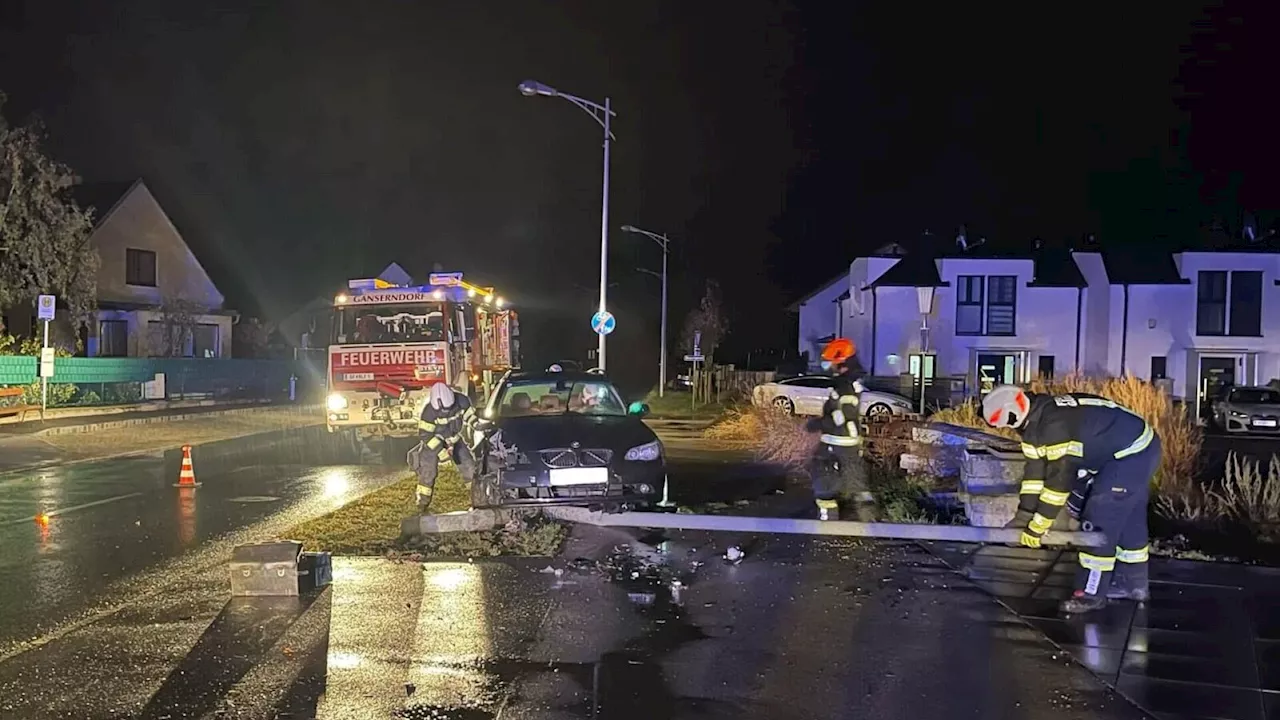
1255	409
536	433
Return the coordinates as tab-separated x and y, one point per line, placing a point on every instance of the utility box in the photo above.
266	569
315	570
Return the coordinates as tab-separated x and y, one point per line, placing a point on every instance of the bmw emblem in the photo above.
575	445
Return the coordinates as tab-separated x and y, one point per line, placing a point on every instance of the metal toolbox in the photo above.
265	569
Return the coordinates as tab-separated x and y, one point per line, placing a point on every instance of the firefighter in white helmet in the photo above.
1119	452
441	427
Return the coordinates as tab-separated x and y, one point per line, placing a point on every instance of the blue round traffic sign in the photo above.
603	322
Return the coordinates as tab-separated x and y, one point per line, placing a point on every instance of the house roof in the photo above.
795	306
915	270
1139	266
101	197
1056	268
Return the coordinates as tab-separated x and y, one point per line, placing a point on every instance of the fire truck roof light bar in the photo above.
450	285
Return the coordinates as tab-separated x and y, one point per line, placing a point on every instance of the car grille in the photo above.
568	458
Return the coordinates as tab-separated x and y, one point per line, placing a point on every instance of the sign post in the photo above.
45	307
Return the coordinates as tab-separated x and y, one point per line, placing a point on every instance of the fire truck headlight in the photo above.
499	302
336	402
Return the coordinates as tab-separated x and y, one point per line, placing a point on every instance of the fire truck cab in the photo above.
391	343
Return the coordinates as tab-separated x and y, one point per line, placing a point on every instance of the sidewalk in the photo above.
72	440
112	417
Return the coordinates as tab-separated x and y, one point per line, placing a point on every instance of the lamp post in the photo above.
663	243
602	114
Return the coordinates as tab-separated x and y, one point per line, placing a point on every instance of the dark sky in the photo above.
297	143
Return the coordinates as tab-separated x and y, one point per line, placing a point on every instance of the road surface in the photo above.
77	536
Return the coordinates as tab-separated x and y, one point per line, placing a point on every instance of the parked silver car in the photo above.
1248	409
805	395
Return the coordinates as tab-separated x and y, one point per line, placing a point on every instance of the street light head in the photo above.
630	228
529	88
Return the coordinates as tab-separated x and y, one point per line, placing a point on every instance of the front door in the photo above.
1216	374
995	369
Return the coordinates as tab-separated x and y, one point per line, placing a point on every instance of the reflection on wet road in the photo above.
71	534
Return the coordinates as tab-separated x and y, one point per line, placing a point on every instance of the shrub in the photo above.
1245	496
777	438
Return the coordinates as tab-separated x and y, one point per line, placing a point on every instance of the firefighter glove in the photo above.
1030	540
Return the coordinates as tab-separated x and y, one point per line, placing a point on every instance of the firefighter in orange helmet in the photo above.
837	471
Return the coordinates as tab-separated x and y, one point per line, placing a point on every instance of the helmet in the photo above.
441	396
837	351
1006	406
555	367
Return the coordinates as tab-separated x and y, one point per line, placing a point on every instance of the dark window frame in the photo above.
964	288
1163	365
135	269
1238	324
103	334
1040	365
1012	305
1207	299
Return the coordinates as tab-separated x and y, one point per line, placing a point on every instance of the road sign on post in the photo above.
46	307
693	358
603	322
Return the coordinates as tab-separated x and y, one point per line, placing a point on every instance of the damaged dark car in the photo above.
565	438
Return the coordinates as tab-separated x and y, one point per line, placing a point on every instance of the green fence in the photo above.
256	379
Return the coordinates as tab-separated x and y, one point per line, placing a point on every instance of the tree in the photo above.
251	338
707	319
174	330
44	235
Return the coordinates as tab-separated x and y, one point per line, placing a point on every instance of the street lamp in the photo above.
602	114
664	243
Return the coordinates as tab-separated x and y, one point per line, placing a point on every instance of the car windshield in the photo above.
379	324
1254	396
532	398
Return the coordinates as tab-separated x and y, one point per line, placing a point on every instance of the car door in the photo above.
811	393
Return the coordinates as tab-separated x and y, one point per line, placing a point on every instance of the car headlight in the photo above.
336	402
1239	415
647	452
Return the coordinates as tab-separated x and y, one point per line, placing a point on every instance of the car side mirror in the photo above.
638	408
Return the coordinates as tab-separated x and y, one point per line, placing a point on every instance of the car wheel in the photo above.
484	492
784	405
879	413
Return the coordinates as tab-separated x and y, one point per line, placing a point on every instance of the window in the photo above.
1246	304
1254	396
205	340
969	305
1159	367
113	338
1046	366
1211	303
810	382
534	398
1001	304
986	305
139	267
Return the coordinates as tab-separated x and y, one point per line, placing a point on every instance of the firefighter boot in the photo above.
424	495
1129	582
1081	602
828	509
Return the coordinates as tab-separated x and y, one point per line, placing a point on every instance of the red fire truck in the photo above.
391	343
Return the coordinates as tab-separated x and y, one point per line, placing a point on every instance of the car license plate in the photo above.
357	377
1265	423
580	476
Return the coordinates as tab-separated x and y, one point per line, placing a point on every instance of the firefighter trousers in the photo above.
1117	507
425	459
839	476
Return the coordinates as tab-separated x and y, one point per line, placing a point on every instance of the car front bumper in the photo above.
1249	425
633	483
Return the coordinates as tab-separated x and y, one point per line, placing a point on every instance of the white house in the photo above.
150	285
1193	320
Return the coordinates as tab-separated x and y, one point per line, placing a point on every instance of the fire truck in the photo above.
391	343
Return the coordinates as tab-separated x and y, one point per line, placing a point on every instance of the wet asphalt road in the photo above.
798	629
80	536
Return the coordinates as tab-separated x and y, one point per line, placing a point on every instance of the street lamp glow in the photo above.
499	302
603	115
529	88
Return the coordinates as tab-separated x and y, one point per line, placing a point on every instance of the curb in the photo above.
131	422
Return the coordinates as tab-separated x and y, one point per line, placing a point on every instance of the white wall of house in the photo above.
138	222
143	335
820	316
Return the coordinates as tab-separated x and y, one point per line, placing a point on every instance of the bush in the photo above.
1245	496
777	438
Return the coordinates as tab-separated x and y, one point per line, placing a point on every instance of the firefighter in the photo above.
440	429
1084	450
838	471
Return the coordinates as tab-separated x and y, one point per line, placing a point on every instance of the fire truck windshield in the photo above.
386	324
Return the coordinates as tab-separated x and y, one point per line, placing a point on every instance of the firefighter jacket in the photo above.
440	428
1065	434
840	413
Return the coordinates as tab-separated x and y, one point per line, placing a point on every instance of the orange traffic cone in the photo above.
187	478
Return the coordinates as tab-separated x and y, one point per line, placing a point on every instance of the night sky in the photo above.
300	143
